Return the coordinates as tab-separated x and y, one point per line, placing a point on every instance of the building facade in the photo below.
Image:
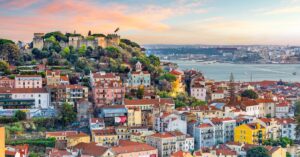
28	81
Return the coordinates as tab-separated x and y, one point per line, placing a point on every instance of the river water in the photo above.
243	72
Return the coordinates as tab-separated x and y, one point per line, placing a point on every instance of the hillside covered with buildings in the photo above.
101	95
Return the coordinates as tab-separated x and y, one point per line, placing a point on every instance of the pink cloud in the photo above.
17	4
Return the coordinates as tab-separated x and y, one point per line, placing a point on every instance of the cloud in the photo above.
17	4
283	10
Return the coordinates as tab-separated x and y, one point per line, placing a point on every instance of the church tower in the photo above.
138	66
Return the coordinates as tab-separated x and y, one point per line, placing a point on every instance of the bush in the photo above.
49	142
249	94
6	120
20	115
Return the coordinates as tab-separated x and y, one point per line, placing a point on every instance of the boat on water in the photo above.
294	73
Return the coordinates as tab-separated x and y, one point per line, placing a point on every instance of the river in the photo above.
243	72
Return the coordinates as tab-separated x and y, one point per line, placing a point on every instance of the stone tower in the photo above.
74	41
38	41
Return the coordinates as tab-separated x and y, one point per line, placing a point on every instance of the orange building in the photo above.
2	141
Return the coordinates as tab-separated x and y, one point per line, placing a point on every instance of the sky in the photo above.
227	22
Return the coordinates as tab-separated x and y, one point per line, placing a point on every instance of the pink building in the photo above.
108	92
6	82
28	81
197	88
103	76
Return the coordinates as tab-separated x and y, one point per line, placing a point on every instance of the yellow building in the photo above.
53	77
277	151
72	137
249	133
2	141
134	117
105	137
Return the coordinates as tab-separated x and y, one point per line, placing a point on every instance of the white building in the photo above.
282	110
216	95
204	135
288	127
28	81
197	88
224	129
170	122
27	99
251	107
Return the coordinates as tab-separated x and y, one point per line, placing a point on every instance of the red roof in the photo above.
91	149
132	147
205	125
23	90
180	153
175	72
163	135
148	101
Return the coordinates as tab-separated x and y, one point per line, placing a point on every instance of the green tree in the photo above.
4	66
154	60
113	52
51	39
67	114
10	52
6	41
140	93
257	152
66	52
297	108
169	77
249	94
82	50
20	115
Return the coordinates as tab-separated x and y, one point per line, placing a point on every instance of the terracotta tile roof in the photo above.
91	149
49	72
283	104
180	153
220	120
61	133
29	76
71	86
264	100
6	78
175	72
110	131
80	134
162	135
58	153
266	120
176	133
205	125
104	75
22	90
249	103
64	78
132	147
148	101
285	120
225	152
254	125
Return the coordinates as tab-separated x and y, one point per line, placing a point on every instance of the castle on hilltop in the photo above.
77	41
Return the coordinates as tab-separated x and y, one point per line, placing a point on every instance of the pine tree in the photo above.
232	89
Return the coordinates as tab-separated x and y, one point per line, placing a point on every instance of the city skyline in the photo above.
152	22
